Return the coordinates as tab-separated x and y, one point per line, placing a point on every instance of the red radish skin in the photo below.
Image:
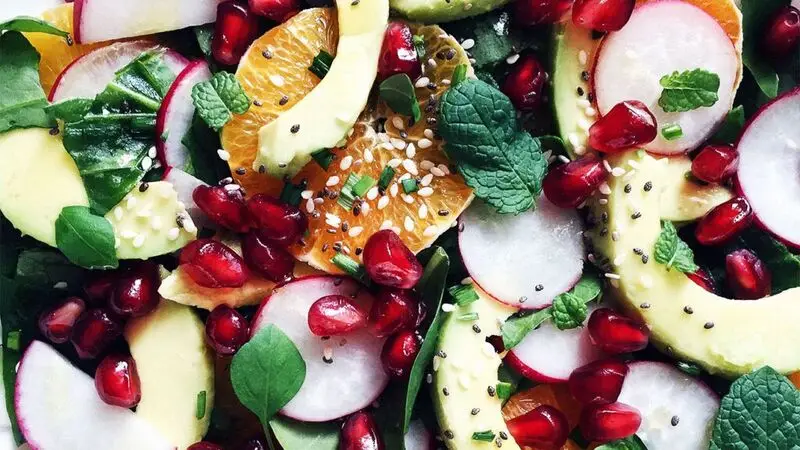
536	12
628	124
598	381
335	315
267	259
117	381
227	330
782	33
571	184
724	222
606	422
389	262
398	53
225	207
614	333
525	83
278	222
360	432
94	331
602	15
399	353
56	323
715	163
213	264
545	428
136	292
393	310
748	277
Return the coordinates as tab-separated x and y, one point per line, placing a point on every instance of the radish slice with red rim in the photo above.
184	185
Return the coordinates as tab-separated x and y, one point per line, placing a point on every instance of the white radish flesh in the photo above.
418	437
185	184
34	8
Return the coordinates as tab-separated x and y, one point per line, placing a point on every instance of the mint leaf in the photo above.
671	251
27	24
217	99
782	264
755	15
728	132
398	92
688	90
267	372
761	411
629	443
22	100
293	435
85	239
568	311
503	164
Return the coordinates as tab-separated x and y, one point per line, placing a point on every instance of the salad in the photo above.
400	224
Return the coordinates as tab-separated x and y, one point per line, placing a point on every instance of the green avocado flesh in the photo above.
724	336
443	11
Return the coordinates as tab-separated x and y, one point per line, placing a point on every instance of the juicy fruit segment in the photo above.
236	28
212	264
266	258
117	381
555	395
748	277
724	222
614	333
544	427
602	15
715	163
570	184
393	310
535	12
606	422
94	331
782	33
399	353
276	10
525	83
278	222
226	330
598	381
136	291
335	314
628	124
56	323
398	54
225	207
360	432
389	262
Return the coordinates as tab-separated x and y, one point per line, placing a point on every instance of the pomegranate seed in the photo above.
266	258
614	333
235	30
226	330
117	381
333	315
57	322
359	432
213	264
600	380
278	222
393	310
94	331
536	12
626	125
276	10
525	83
545	428
702	278
569	185
605	422
389	262
203	445
136	293
225	208
602	15
782	33
398	54
724	222
715	163
747	276
399	353
100	285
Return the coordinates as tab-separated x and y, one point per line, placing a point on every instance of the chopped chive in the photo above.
672	132
419	46
503	390
349	266
484	436
689	368
468	316
386	177
321	64
164	136
323	157
346	195
364	184
200	412
12	341
410	186
459	74
291	193
464	294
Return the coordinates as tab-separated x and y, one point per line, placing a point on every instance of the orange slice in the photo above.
795	379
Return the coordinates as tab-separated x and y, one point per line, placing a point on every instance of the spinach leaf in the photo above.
27	24
629	443
294	435
755	15
398	92
203	34
783	264
22	100
85	239
728	132
202	143
138	87
41	271
71	110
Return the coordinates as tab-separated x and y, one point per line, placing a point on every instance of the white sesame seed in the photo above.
408	224
310	205
355	231
397	121
422	82
612	276
188	225
615	235
332	220
432	62
372	193
603	201
426	180
398	143
590	112
407	198
332	181
404	176
387	146
428	133
173	234
563	159
424	143
620	259
410	166
512	59
605	189
437	171
468	44
583	57
584	124
411	151
464	381
573	139
422	212
319	201
427	191
386	225
618	171
307	194
365	209
223	155
394	163
368	156
147	163
144	213
118	213
138	241
448	307
127	234
232	187
152	152
426	165
430	231
131	202
383	202
445	82
346	162
607	165
61	285
156	223
393	189
444	169
583	103
633	164
277	80
437	361
580	150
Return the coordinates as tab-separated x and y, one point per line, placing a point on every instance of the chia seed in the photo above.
327	360
475	411
295	128
241	171
648	186
257	103
708	325
491	391
585	76
645	306
636	215
445	391
580	91
638	251
476	328
539	287
645	259
267	54
449	434
628	188
284	100
674	421
688	310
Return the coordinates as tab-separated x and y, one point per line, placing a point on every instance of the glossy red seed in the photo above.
598	381
536	12
333	315
56	323
545	428
602	15
267	259
525	83
715	163
748	278
213	264
569	185
117	381
702	278
614	333
99	286
393	310
627	124
203	445
136	292
398	54
782	33
94	331
399	353
389	262
226	330
236	28
605	422
360	432
724	222
276	10
279	222
224	207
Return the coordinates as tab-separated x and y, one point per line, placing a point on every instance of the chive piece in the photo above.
672	132
291	193
164	136
349	266
364	184
464	294
12	341
386	178
503	390
410	186
346	195
459	74
419	46
689	368
483	436
200	412
472	316
321	64
323	157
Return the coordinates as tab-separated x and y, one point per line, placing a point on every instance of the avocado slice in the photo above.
465	375
725	337
38	179
443	11
685	199
176	369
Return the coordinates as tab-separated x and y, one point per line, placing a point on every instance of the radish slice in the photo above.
88	75
354	379
550	355
510	257
58	408
175	116
769	164
677	410
418	437
103	20
185	184
34	8
660	38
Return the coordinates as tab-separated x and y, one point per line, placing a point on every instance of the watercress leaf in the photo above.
22	100
629	443
755	14
728	132
783	264
589	287
217	99
761	411
71	110
495	39
267	372
671	251
517	327
203	34
27	24
294	435
688	90
40	270
568	311
85	239
202	143
398	92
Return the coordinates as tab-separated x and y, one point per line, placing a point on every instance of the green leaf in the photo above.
22	100
217	99
629	443
85	239
294	435
27	24
139	86
203	143
728	132
495	39
671	251
203	34
504	165
459	74
419	46
688	90
321	64
71	110
398	92
40	269
761	411
568	311
782	264
755	14
267	372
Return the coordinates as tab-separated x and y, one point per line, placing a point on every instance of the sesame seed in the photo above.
372	193
583	57
364	209
411	151
397	121
422	82
445	170
173	233
583	103
674	421
408	224
708	325
386	225
407	198
475	411
617	172
156	223
428	133
605	189
437	171
590	112
147	163
383	203
60	285
223	155
393	189
422	212
151	152
118	213
410	166
563	159
346	162
332	181
399	144
612	276
131	202
688	309
445	82
355	231
512	59
424	143
426	165
138	241
427	191
295	128
277	80
387	146
394	163
448	307
368	156
430	231
648	186
606	165
426	180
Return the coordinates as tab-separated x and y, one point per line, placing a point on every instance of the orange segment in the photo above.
555	395
795	379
